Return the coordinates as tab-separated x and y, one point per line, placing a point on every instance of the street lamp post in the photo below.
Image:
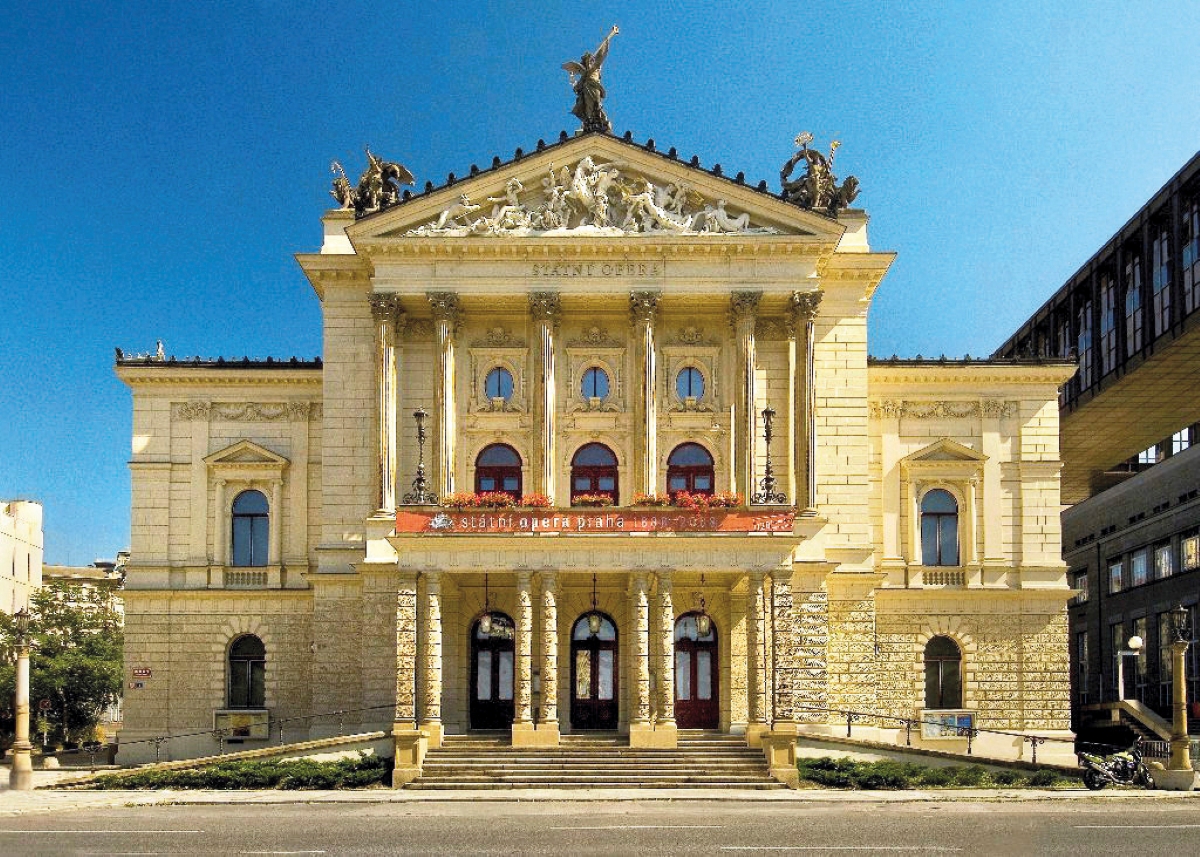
1181	757
20	777
1135	647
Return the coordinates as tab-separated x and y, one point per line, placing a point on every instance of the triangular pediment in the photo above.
945	451
594	186
246	453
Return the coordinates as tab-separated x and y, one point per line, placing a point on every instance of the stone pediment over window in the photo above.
944	459
595	185
247	457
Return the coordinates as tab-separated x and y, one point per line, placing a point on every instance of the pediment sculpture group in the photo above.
591	196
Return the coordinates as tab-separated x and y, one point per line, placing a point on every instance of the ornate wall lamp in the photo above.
767	495
594	618
420	495
485	621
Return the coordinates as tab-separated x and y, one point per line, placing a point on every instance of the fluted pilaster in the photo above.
744	311
385	309
804	307
446	317
544	309
643	308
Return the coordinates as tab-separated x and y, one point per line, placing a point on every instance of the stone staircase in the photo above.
703	759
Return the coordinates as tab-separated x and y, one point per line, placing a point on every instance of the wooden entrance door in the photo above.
492	643
697	685
594	672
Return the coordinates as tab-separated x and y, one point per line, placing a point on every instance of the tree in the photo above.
75	661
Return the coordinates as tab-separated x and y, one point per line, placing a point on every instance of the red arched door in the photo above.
697	684
594	672
492	643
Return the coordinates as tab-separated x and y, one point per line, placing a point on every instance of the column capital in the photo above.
803	306
545	306
385	307
444	306
744	305
643	306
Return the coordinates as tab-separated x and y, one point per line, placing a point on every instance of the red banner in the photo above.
500	521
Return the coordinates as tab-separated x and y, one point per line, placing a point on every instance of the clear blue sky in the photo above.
166	159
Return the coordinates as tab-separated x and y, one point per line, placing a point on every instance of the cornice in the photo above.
972	372
556	247
142	374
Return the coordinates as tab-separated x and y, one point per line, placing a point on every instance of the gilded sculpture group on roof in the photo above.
596	197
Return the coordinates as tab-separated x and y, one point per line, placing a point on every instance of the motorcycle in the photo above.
1126	768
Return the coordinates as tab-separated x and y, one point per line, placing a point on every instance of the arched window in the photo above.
247	673
594	471
943	674
595	383
939	528
690	468
498	384
689	383
250	527
498	468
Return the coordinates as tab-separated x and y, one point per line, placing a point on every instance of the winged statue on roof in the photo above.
589	91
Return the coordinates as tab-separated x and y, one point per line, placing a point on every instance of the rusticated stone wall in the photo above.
850	654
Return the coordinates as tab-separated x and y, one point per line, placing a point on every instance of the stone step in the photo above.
491	786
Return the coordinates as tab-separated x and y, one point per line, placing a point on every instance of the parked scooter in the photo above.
1126	768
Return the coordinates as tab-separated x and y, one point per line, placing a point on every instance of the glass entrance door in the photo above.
594	672
696	680
492	643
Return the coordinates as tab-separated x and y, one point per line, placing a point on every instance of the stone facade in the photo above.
369	605
20	553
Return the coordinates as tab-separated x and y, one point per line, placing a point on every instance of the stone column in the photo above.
524	731
666	641
545	309
431	710
384	310
641	728
410	742
804	314
756	660
643	307
445	320
275	533
222	526
549	653
744	307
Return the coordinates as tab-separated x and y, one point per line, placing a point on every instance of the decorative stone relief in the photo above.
941	409
499	337
773	329
591	198
594	335
246	411
417	330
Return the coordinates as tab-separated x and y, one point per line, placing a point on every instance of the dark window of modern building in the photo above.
498	384
1134	323
939	528
1081	667
1189	551
1079	581
943	674
247	673
595	383
1108	324
1165	636
251	523
1190	251
1084	345
1164	561
1062	334
1139	567
690	468
498	468
594	471
1192	660
1116	576
1161	278
689	383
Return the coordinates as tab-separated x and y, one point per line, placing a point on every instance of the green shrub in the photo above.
351	773
848	774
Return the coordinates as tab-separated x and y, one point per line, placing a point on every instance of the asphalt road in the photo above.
1167	827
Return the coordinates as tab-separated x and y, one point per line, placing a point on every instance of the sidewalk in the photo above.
22	803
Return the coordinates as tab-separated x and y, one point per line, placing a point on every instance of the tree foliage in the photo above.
76	662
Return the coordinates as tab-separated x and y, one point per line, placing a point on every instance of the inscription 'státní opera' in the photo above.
887	541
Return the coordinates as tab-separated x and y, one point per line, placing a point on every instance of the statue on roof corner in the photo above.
818	188
589	91
378	187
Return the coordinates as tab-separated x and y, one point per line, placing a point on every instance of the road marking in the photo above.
157	833
283	852
1136	826
837	848
645	827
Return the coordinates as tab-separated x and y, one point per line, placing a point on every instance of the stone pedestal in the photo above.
755	733
779	746
1175	781
411	746
535	735
663	736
